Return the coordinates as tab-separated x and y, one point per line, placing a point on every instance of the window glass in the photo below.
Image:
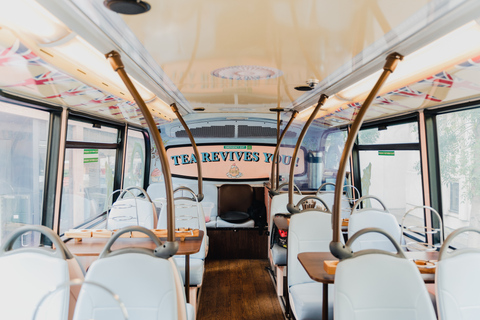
23	145
87	184
395	178
135	159
83	131
459	149
403	133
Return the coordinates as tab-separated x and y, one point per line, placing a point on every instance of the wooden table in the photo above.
93	247
312	262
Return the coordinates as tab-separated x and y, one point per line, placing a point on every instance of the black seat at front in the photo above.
234	200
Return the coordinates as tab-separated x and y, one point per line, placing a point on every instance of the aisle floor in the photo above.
238	289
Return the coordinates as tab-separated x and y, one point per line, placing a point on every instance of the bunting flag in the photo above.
49	77
409	92
78	91
445	80
474	62
18	54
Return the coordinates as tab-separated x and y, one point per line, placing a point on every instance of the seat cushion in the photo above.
279	255
196	269
306	300
225	224
235	216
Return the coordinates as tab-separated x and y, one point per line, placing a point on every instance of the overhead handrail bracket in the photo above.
199	196
170	247
290	206
336	246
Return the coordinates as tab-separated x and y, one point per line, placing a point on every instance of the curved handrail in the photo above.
426	230
82	282
118	66
336	247
135	188
312	209
356	191
107	252
286	184
366	198
321	101
444	254
61	251
122	193
324	185
359	233
274	171
183	188
200	194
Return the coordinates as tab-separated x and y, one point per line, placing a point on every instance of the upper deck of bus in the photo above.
72	132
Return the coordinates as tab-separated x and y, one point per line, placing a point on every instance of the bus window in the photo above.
88	173
459	150
390	168
23	145
135	159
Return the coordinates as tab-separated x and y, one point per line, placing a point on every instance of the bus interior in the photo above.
239	159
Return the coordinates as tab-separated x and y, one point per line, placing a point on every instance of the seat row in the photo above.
138	283
375	283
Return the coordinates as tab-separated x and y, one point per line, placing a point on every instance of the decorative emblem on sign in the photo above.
234	172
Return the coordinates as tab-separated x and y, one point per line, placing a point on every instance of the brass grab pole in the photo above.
174	108
336	247
290	206
274	173
171	246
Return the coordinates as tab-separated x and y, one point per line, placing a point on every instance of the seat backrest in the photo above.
309	231
279	205
156	190
29	274
234	197
379	286
457	281
369	219
329	196
124	213
189	214
147	285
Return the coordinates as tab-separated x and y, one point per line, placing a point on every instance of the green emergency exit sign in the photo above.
386	153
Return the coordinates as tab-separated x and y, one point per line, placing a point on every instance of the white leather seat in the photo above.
309	231
185	209
373	218
457	281
149	286
279	205
132	211
328	196
29	274
372	285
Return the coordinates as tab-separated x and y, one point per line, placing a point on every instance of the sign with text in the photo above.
222	162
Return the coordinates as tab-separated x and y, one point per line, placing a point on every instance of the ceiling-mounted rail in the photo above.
336	247
195	150
170	247
290	206
274	174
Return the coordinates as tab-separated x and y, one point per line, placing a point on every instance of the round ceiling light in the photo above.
247	73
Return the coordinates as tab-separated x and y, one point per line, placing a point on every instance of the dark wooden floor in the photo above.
238	289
